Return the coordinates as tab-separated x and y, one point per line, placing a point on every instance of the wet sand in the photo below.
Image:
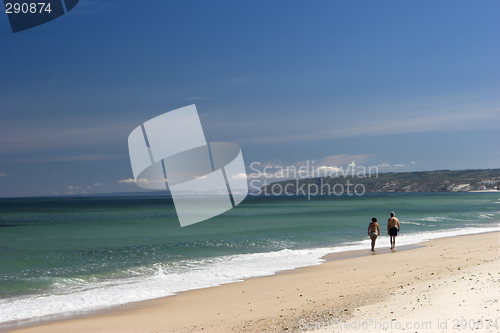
444	280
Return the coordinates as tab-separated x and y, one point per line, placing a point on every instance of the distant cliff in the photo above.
426	181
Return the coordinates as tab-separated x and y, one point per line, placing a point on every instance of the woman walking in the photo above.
373	231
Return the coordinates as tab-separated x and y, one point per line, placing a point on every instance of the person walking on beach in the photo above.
373	231
392	229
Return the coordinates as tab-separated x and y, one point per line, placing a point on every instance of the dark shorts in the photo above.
393	231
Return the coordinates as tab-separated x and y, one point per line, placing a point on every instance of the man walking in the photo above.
392	229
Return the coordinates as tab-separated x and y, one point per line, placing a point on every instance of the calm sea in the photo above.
61	255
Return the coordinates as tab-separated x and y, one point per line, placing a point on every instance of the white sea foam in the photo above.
409	222
486	216
433	219
85	296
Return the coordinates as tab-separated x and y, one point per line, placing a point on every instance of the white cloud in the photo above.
240	176
412	162
3	174
140	180
329	166
386	165
261	174
70	187
132	181
97	184
328	169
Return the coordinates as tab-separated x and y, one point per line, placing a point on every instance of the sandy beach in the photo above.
446	285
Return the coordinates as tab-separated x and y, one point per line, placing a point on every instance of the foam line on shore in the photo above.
204	273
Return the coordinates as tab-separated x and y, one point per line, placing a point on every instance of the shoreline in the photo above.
343	255
237	315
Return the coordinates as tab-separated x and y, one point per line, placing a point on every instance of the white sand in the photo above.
447	279
464	300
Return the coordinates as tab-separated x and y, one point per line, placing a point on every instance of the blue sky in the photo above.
405	85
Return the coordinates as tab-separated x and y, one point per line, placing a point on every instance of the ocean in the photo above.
66	255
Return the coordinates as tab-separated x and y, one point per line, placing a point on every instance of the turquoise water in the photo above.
70	254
